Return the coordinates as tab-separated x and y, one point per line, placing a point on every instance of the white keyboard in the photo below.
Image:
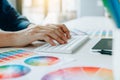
74	43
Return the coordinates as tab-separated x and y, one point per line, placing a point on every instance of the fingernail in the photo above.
62	42
69	36
65	42
65	38
53	44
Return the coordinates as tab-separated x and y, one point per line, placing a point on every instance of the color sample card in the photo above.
13	71
101	33
76	32
14	55
42	61
80	73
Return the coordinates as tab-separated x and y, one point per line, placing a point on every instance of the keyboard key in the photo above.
70	47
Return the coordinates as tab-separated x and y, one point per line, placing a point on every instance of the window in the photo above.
49	11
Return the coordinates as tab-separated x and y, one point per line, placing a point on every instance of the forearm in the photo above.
18	38
33	33
7	39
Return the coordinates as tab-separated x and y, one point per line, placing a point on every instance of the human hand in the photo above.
49	33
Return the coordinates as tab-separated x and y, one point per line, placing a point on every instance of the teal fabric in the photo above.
113	6
10	19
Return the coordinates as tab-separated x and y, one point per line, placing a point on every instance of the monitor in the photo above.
113	7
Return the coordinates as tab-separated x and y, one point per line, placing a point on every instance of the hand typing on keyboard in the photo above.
58	33
73	43
48	33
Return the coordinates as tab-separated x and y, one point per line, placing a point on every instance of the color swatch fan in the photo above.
80	73
14	55
13	71
42	61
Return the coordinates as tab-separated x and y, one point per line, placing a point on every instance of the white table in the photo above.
83	57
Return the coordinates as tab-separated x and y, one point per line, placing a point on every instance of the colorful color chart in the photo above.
101	33
42	61
13	55
13	71
80	73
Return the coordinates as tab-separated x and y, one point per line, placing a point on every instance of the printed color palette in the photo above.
101	33
14	55
94	33
80	73
42	61
12	71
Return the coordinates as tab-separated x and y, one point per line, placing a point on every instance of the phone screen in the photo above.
103	44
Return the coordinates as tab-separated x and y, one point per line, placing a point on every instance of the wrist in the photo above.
23	37
9	38
35	25
19	38
31	25
14	38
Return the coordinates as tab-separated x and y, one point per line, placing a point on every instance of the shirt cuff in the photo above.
23	25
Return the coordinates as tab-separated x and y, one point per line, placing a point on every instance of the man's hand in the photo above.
49	33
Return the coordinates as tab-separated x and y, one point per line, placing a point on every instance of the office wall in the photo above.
90	8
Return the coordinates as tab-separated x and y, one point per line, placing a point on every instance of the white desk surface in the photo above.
84	56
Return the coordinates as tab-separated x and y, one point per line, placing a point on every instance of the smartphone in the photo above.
104	46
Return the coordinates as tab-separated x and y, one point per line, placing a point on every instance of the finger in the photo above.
61	35
56	30
65	30
49	40
56	37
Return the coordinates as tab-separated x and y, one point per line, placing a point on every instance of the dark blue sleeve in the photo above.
11	20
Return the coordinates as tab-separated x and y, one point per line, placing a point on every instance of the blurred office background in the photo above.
58	11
